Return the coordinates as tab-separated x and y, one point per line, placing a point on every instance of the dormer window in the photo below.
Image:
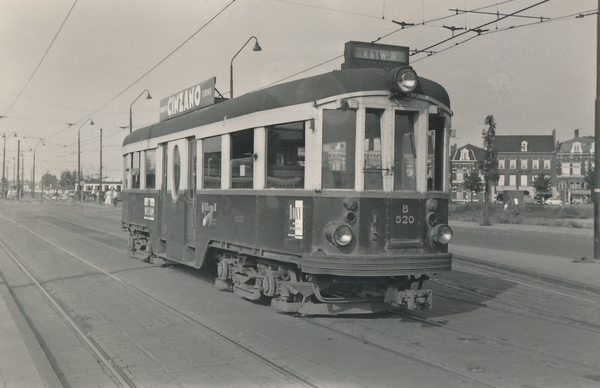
464	154
523	146
576	148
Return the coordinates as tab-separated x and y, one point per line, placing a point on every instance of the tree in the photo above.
49	180
541	185
489	164
473	182
68	179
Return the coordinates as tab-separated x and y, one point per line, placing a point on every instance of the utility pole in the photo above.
101	191
19	161
596	194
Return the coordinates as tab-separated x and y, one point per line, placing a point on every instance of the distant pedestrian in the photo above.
114	197
108	198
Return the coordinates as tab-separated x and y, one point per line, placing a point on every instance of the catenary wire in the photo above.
41	60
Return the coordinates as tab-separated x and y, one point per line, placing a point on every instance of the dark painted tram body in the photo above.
326	195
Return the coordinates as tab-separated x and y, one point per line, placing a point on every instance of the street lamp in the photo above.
79	157
4	137
256	48
148	97
33	174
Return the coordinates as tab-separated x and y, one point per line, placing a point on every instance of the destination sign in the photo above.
190	99
365	55
380	54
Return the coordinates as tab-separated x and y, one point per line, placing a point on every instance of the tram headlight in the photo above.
339	235
441	234
406	80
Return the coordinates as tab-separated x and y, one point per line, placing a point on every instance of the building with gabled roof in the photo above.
575	157
463	161
521	158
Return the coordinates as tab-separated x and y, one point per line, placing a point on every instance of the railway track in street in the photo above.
378	333
98	351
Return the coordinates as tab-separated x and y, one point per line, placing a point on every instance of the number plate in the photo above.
405	219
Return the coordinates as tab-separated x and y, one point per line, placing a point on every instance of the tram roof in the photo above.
291	93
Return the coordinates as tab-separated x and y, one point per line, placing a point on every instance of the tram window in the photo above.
135	171
286	149
435	153
126	170
339	143
211	154
151	169
405	154
242	148
372	150
176	171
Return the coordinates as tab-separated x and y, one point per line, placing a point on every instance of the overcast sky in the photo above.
533	79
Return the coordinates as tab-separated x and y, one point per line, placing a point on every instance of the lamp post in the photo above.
4	137
33	174
148	97
100	191
256	48
79	157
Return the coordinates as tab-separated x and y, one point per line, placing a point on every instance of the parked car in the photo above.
553	201
531	201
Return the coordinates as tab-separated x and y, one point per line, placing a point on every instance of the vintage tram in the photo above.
325	195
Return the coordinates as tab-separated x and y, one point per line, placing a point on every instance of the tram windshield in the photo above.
339	142
405	152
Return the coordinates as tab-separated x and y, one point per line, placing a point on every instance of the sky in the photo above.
63	62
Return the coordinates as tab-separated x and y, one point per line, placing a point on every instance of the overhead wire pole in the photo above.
596	195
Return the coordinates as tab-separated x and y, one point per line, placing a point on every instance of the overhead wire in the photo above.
573	15
161	61
41	60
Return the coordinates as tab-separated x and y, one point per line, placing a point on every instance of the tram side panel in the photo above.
140	215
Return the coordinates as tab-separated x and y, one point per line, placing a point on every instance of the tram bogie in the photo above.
327	195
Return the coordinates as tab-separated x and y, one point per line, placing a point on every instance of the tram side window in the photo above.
286	150
126	170
405	154
151	169
372	150
339	143
435	153
242	148
135	171
211	154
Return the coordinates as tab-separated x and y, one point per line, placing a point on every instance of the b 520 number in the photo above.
405	219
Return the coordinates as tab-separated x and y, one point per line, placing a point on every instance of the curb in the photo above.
546	278
42	364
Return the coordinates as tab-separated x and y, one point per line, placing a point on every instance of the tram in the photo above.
325	195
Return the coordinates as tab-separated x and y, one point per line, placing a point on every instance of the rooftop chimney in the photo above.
576	133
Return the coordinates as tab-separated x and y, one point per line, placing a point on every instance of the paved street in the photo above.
170	327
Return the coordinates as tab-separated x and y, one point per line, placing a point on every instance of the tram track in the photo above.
291	375
101	353
92	345
362	339
593	327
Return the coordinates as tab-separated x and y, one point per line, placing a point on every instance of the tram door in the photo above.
191	193
163	193
178	192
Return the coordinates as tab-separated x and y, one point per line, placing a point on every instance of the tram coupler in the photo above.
411	299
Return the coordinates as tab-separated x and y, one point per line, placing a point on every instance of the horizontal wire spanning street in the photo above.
135	324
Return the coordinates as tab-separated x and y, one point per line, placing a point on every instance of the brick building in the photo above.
522	158
575	157
464	159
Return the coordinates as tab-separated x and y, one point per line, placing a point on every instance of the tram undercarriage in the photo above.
290	291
